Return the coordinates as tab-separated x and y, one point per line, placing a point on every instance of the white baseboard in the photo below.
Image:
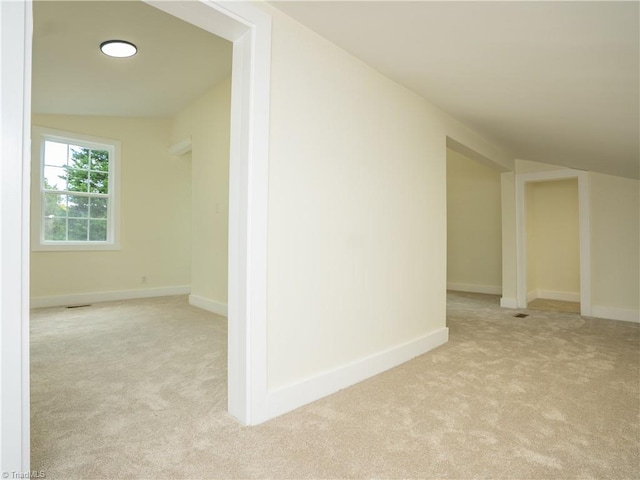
290	397
466	287
95	297
506	302
553	295
209	305
613	313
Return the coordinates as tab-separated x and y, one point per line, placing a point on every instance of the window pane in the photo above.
76	198
78	206
98	230
55	229
98	208
55	205
77	180
55	153
99	182
77	230
78	157
100	160
55	178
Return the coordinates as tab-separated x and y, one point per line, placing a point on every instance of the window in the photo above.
77	186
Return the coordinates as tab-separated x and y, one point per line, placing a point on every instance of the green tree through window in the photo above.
76	193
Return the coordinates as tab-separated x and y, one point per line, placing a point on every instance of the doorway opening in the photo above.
249	28
552	240
173	224
474	226
553	245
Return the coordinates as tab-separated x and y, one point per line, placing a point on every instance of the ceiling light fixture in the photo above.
118	48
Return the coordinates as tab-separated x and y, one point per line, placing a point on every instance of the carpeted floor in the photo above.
137	389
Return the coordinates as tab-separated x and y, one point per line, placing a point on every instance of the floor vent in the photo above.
521	315
78	306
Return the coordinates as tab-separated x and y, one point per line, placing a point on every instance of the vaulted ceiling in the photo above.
554	82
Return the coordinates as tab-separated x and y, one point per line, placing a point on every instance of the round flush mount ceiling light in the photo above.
118	48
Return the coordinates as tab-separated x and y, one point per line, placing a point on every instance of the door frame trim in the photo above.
522	179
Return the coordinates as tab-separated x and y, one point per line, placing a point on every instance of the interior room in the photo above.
397	175
474	225
170	223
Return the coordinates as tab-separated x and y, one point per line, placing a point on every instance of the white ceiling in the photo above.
176	62
554	82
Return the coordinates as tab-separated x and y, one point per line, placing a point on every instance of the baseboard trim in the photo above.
506	302
285	399
612	313
210	305
467	287
555	295
96	297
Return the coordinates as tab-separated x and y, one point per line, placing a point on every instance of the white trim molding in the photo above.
289	397
109	296
507	302
613	313
553	295
15	122
38	136
467	287
249	28
180	148
212	306
585	232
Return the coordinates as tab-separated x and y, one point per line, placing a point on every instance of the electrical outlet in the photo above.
143	279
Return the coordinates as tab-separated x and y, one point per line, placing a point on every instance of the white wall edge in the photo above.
95	297
506	302
467	287
16	31
212	306
290	397
612	313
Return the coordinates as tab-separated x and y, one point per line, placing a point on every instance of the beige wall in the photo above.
357	210
615	258
474	243
155	217
207	122
553	240
614	209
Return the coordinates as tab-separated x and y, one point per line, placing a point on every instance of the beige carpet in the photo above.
137	390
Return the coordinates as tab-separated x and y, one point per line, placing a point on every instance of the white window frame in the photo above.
41	134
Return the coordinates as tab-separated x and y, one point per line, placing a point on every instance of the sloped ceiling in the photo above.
176	62
554	82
